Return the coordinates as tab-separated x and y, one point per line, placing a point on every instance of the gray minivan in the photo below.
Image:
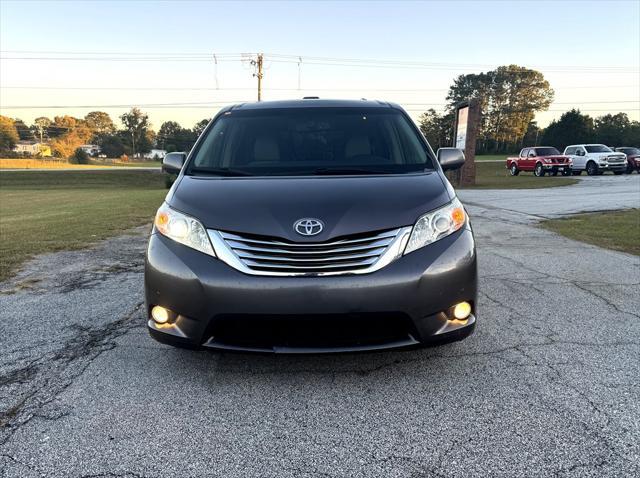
311	226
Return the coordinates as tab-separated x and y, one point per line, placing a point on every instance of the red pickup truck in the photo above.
541	160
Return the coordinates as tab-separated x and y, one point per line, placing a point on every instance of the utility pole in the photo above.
258	74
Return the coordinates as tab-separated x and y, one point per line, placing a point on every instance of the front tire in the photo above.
618	173
592	168
513	170
567	172
538	171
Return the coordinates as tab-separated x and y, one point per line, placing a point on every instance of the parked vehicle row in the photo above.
594	159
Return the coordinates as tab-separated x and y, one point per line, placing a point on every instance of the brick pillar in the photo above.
466	175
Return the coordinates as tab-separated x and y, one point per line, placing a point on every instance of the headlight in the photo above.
436	225
183	229
546	160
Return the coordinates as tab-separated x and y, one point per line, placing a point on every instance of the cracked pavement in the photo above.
547	386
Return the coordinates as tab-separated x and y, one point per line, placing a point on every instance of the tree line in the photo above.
65	134
509	97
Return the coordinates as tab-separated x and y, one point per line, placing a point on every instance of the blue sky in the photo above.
565	40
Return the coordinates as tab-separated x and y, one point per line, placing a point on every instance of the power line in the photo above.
209	105
198	88
147	105
296	59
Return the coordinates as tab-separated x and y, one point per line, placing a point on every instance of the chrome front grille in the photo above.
357	254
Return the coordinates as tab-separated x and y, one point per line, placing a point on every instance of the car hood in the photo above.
346	204
608	155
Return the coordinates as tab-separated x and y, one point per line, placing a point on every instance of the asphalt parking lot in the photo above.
547	386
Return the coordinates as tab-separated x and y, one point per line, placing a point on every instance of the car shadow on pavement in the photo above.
214	366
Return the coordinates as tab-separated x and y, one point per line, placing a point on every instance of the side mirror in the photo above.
173	162
450	158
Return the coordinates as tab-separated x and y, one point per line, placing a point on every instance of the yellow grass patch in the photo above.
53	163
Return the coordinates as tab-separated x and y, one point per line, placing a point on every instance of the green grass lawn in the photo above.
617	230
493	157
61	210
496	176
128	164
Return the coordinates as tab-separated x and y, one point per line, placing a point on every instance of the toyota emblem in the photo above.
308	226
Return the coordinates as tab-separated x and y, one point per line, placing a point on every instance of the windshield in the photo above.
547	151
631	151
598	148
310	141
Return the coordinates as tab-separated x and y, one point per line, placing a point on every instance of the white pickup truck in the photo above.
595	159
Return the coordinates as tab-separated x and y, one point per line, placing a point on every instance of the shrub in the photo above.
169	179
80	157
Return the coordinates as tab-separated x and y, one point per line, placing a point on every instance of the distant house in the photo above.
155	154
90	149
32	148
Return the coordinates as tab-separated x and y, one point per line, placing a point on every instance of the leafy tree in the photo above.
63	125
438	129
80	156
111	145
532	136
199	127
64	146
136	123
173	137
8	134
509	98
100	122
167	134
40	127
632	135
147	141
23	130
572	128
612	129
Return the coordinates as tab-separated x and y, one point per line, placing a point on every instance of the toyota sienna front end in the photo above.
311	226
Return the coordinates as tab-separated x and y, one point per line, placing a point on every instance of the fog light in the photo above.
160	314
462	310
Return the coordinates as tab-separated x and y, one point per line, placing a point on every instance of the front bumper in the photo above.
404	304
613	167
556	167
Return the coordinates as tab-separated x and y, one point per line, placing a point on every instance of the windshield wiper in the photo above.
347	171
337	171
220	172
